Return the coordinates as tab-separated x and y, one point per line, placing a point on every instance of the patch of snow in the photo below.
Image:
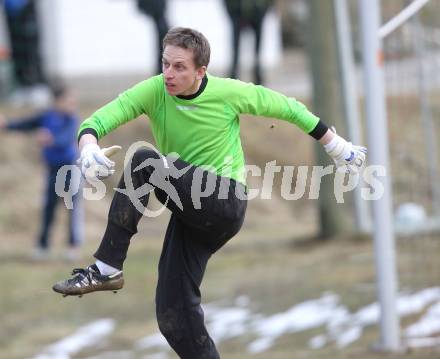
346	329
152	341
422	342
227	323
85	336
428	325
318	342
304	316
224	322
121	354
156	356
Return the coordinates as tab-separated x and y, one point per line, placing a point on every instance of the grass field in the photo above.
275	276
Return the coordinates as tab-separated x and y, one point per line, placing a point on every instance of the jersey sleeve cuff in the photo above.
319	130
89	131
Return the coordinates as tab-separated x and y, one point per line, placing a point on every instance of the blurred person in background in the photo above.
55	130
24	38
199	174
156	10
247	13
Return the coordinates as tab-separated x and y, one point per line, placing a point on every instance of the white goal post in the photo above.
372	34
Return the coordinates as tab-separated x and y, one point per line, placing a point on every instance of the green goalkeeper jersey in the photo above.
203	130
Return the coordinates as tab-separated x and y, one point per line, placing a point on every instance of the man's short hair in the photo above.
190	39
58	89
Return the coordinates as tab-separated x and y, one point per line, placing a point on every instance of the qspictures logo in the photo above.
163	172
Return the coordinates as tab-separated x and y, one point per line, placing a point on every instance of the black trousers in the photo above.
207	211
247	13
162	28
24	35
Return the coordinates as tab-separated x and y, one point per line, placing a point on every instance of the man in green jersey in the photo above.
198	173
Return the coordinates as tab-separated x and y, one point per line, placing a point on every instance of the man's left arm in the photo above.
262	101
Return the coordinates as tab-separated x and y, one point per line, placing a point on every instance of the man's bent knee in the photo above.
144	154
171	325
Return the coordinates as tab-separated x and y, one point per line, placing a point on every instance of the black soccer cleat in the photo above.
89	280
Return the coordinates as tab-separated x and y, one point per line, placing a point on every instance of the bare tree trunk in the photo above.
327	104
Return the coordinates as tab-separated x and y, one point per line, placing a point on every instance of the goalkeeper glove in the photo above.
347	157
94	161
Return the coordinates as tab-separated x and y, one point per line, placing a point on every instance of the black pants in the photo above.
247	13
199	226
24	35
256	25
50	203
162	29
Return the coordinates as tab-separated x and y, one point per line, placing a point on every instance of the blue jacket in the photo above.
63	128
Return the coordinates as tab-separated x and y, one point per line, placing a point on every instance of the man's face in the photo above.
179	71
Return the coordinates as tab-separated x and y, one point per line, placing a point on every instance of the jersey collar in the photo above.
199	91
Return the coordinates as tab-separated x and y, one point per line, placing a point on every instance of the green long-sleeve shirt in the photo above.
204	130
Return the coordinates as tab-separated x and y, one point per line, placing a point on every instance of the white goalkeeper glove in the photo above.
95	162
347	157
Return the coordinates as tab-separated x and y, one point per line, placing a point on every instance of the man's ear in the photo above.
201	71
